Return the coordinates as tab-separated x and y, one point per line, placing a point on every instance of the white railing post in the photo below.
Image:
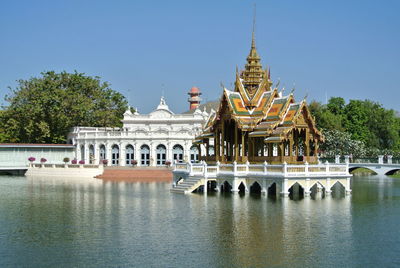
247	166
284	169
389	159
205	169
337	159
347	159
265	167
190	168
234	168
380	159
327	167
306	168
218	163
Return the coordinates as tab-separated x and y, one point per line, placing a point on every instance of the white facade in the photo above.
150	139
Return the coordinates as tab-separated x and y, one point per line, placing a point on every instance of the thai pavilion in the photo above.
256	123
259	138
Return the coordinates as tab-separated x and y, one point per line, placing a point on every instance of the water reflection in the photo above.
56	222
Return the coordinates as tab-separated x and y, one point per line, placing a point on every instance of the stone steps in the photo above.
187	186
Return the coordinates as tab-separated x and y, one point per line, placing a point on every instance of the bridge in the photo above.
380	165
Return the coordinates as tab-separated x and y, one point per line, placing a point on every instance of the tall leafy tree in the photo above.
44	109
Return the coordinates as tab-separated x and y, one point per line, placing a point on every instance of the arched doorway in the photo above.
129	155
145	155
115	155
194	154
177	152
82	152
161	152
255	188
91	154
102	152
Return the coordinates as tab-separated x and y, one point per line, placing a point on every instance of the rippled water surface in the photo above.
70	223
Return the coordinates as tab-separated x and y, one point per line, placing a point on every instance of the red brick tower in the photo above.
194	98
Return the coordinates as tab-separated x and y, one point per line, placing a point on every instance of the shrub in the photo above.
74	161
66	159
81	162
31	159
43	160
104	161
134	162
167	163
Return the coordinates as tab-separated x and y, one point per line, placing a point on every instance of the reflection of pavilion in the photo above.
260	138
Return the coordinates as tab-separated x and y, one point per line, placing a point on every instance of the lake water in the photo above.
67	223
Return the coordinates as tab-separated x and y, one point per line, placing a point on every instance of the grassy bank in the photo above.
362	172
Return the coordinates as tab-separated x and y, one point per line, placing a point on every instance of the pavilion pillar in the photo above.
199	148
223	151
243	149
236	144
307	143
216	145
270	149
316	148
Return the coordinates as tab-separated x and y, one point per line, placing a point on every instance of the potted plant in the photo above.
42	161
134	162
168	163
74	161
104	162
81	162
31	159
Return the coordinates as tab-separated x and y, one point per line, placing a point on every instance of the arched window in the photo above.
194	154
177	152
115	155
211	150
161	152
91	154
82	152
102	152
145	155
129	155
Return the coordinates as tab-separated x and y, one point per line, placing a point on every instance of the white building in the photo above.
150	139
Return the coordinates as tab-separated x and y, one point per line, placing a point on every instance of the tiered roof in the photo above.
260	109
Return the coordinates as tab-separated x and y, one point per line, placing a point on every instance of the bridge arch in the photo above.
255	188
226	187
351	169
392	172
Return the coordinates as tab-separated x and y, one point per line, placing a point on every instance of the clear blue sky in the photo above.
339	48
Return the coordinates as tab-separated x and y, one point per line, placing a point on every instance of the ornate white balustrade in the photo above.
263	170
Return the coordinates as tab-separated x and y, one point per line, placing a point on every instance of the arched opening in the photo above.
161	153
338	189
102	152
272	190
242	188
255	188
177	152
130	155
296	191
211	150
226	187
82	152
145	155
91	154
361	171
194	154
393	172
316	189
211	185
115	155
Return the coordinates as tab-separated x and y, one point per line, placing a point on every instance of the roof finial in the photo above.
253	42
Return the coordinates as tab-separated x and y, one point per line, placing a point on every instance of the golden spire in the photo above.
253	73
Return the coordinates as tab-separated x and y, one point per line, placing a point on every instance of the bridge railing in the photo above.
266	169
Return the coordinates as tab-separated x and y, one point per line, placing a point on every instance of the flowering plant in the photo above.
74	161
105	161
81	162
167	163
43	160
31	159
134	162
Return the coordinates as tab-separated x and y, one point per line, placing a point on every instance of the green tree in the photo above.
44	109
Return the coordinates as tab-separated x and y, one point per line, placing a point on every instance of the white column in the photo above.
108	153
380	159
389	159
122	154
307	188
348	188
285	188
137	153
328	186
